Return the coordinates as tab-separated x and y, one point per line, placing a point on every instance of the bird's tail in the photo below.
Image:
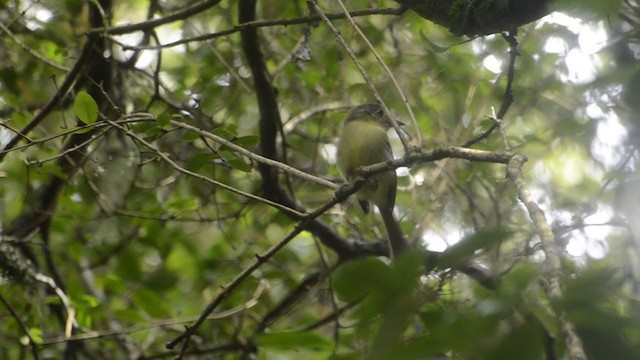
397	241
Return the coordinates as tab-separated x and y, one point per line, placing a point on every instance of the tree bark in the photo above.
479	17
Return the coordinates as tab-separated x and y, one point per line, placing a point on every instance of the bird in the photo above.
363	141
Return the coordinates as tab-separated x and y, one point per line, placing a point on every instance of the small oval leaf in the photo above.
239	164
294	341
227	132
247	141
86	108
163	120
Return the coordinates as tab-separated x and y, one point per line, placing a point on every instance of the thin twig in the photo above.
162	323
251	155
363	72
68	82
341	195
23	327
396	85
507	99
182	170
503	134
15	131
71	312
29	50
132	118
259	261
80	145
331	317
294	121
150	24
296	295
266	23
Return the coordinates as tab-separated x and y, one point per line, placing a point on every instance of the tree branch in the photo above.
60	95
554	265
150	24
23	327
479	17
267	23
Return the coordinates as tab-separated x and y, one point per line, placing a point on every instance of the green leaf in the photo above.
190	136
239	164
592	286
180	204
589	8
87	301
247	141
524	342
294	341
128	266
354	279
86	108
53	300
50	169
153	133
163	120
19	118
469	245
151	303
200	160
36	335
407	268
346	356
84	317
227	132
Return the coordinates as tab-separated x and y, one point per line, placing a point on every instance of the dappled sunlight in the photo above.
214	179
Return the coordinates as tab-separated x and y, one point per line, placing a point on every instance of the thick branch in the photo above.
514	169
479	17
269	123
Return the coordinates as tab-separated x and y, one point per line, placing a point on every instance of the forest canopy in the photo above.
169	186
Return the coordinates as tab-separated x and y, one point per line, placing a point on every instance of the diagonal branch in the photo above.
393	79
507	99
23	327
259	261
31	51
150	24
167	159
270	122
365	75
258	158
310	281
554	269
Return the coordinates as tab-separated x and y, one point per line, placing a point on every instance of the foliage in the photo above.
141	199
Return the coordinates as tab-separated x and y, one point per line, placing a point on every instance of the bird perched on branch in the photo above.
363	141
